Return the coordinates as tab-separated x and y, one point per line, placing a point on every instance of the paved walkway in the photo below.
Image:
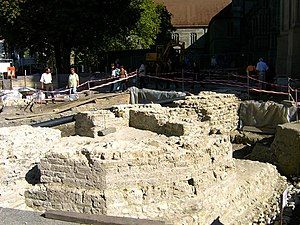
19	217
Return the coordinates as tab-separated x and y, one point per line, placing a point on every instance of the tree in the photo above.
88	27
10	10
153	27
62	25
165	26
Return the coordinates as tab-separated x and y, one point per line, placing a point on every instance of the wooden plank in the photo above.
259	130
97	219
66	107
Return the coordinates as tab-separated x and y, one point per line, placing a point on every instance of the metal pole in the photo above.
248	85
11	83
182	77
25	78
89	87
2	80
296	96
289	93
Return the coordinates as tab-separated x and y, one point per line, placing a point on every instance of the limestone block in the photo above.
123	110
170	122
286	147
88	124
214	107
22	147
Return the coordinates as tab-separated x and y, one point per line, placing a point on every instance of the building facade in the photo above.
190	18
288	51
245	31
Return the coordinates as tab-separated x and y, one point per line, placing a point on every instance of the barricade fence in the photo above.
88	85
251	83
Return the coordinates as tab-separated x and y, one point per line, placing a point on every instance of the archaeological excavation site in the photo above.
196	160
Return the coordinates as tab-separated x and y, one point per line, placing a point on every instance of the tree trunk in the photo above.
62	58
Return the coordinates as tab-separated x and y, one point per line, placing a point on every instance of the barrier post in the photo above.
296	96
248	85
10	83
289	93
89	87
2	80
182	77
25	78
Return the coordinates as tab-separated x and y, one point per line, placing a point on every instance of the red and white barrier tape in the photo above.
220	82
130	75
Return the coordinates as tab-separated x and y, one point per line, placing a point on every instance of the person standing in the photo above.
262	68
46	82
142	69
115	72
73	81
123	74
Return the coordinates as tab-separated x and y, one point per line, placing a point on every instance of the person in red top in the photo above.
251	70
123	72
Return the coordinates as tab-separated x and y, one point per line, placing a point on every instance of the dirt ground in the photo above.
22	115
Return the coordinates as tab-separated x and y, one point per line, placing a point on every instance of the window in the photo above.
193	38
290	13
175	37
230	28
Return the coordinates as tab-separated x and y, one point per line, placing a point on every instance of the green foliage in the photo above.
10	10
88	27
147	27
166	27
153	27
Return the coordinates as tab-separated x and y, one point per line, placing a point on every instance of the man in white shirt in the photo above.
73	81
115	73
262	68
46	82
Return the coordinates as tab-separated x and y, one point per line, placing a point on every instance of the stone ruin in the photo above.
286	148
21	149
170	164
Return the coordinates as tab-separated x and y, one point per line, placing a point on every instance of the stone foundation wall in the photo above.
206	113
181	180
137	179
286	148
89	123
21	148
167	121
172	164
219	110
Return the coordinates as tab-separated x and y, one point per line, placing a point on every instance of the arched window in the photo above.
175	37
193	38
